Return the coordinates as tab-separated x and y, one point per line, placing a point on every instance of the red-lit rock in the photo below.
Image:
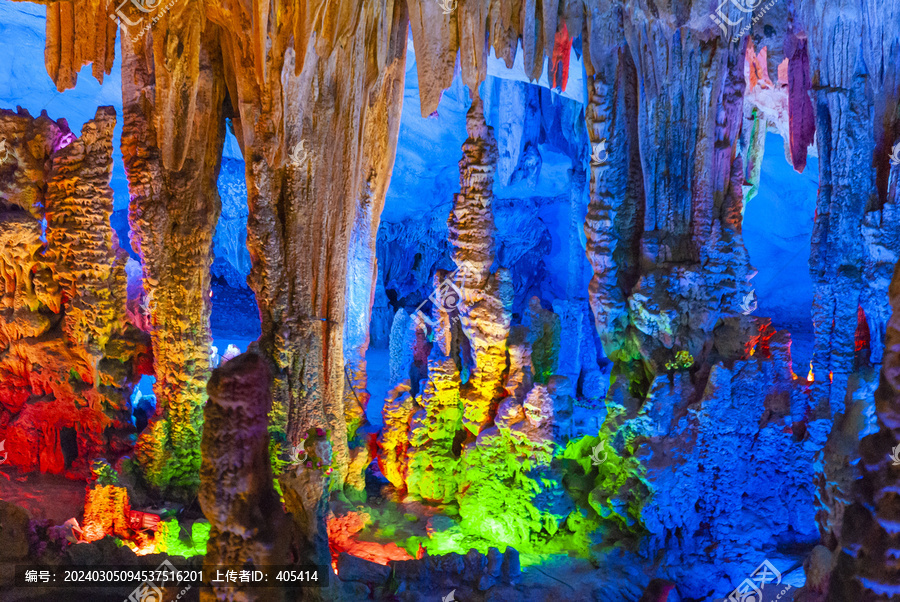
67	353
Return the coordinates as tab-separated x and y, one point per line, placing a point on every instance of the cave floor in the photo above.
45	496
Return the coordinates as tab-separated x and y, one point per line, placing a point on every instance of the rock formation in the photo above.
679	100
856	217
172	145
484	313
68	357
248	526
860	544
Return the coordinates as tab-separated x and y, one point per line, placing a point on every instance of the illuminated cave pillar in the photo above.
248	524
614	220
171	144
317	121
68	357
381	129
447	412
485	313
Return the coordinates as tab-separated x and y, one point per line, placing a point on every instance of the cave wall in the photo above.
855	231
855	88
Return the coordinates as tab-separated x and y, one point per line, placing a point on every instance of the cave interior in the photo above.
478	300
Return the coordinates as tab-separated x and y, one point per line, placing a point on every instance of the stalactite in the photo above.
855	107
172	164
267	127
755	125
614	221
303	318
381	129
79	32
436	42
800	109
691	189
344	112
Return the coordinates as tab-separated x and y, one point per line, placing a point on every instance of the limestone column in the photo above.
856	221
485	313
173	95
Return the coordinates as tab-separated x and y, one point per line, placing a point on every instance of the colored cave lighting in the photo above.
142	548
810	377
107	511
343	537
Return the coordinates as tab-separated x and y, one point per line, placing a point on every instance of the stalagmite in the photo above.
394	438
485	310
249	528
435	424
68	357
